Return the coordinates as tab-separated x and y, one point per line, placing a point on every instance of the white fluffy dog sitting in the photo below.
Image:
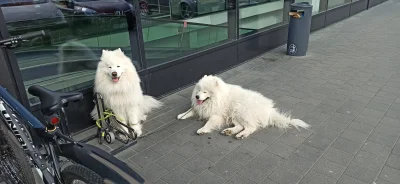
119	84
220	103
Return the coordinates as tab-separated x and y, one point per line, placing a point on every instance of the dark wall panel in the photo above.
173	77
318	21
372	3
259	44
337	14
358	6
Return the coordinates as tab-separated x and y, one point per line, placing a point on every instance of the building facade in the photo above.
171	42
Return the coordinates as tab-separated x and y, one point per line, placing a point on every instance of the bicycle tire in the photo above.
10	144
78	172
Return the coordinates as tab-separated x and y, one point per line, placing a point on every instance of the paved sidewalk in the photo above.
347	87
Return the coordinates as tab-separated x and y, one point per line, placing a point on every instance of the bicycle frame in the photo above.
99	161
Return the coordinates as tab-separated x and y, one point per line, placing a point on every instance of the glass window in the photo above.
174	28
336	3
78	30
260	14
318	5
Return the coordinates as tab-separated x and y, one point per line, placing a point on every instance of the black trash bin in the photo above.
299	28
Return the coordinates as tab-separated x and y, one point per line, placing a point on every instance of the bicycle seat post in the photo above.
64	123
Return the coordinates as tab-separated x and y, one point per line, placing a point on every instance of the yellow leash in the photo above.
108	114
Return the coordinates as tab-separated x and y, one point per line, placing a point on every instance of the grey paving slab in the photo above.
361	127
345	179
240	180
361	172
254	172
283	175
318	142
354	136
329	168
207	177
298	164
346	145
314	177
170	161
372	121
393	161
390	174
308	152
189	149
240	156
338	156
179	175
197	164
268	160
145	158
376	148
325	132
268	181
154	172
225	168
383	139
252	145
281	149
391	121
213	153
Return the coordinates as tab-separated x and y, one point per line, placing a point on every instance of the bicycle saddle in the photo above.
52	101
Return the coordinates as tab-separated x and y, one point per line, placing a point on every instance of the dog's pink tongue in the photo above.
115	79
199	102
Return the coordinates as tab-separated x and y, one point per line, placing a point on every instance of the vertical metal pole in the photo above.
233	19
286	9
10	75
136	36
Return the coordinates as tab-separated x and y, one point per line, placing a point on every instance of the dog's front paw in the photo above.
144	117
138	133
227	132
181	116
202	131
241	135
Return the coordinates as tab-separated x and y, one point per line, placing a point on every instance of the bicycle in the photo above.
60	159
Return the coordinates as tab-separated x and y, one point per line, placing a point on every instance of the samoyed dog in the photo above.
221	103
118	82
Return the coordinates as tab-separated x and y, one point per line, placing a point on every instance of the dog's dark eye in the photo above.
109	67
118	66
204	92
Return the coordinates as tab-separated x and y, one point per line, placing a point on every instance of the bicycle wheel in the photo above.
14	163
78	174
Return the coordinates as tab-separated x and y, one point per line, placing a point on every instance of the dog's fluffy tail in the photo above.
283	120
150	103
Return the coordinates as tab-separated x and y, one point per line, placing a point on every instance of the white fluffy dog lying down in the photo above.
119	84
220	103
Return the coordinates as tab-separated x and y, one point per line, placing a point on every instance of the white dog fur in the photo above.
221	103
119	84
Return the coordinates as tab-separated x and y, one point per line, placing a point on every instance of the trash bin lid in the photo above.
301	5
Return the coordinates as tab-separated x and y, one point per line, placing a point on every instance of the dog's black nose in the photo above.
114	74
197	97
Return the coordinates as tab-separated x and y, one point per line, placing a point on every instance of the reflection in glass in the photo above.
260	14
336	3
179	27
318	5
78	31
